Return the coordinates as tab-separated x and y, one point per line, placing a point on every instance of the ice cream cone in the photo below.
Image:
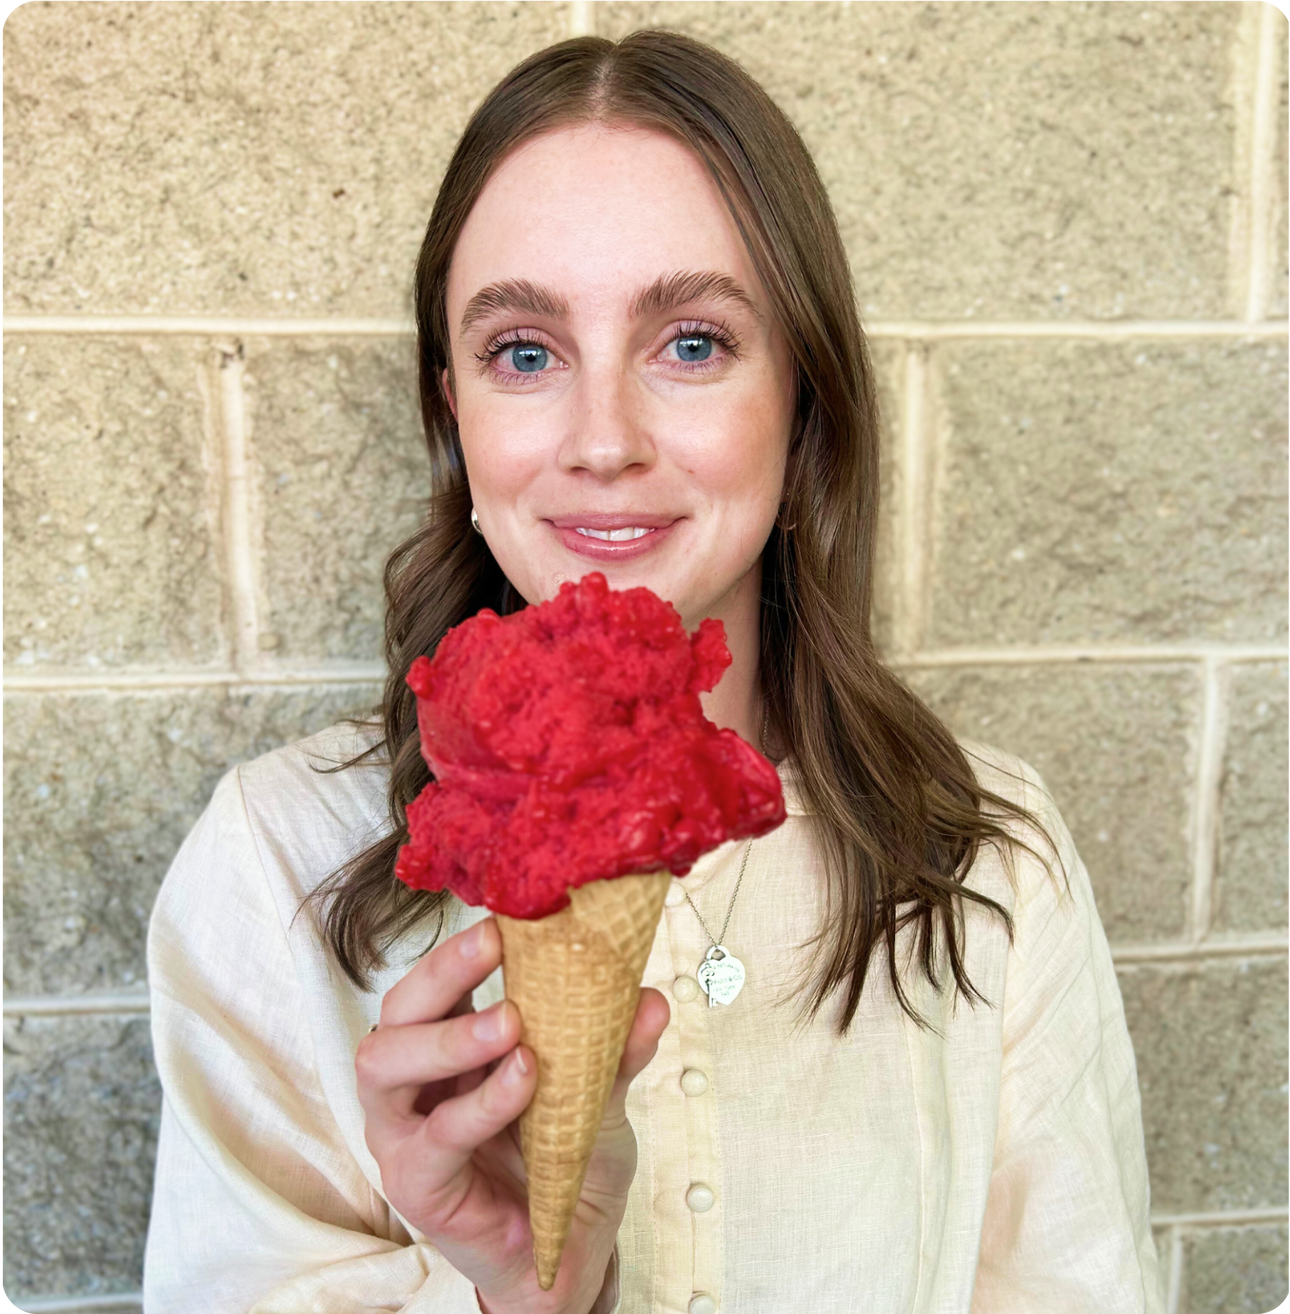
575	978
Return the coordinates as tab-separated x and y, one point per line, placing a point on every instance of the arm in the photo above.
258	1201
1067	1226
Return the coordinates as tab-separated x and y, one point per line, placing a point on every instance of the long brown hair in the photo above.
899	813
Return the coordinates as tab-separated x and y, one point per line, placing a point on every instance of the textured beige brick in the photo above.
1004	160
82	1109
1113	744
1210	1041
280	158
1110	492
889	367
111	505
1250	884
1234	1270
100	789
342	478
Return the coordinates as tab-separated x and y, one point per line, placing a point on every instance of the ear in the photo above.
447	392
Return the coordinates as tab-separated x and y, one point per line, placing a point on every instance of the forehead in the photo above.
596	210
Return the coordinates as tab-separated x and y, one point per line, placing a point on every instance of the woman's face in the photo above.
624	400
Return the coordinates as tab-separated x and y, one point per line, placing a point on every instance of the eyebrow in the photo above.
663	294
516	294
672	290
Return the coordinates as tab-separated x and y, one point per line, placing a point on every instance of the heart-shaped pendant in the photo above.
721	975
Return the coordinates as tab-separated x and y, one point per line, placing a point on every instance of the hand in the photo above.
442	1087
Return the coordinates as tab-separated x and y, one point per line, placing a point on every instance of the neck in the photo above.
735	704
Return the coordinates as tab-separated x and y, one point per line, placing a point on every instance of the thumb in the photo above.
652	1017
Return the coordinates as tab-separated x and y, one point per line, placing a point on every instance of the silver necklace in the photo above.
721	975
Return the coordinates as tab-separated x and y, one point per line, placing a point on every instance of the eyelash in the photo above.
499	342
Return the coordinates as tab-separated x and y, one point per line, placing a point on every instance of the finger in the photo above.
459	1126
436	985
652	1017
394	1063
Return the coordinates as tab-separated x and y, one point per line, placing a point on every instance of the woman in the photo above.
639	354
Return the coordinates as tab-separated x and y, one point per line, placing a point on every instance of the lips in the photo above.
608	536
612	520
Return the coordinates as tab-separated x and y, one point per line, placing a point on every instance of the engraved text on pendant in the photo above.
721	976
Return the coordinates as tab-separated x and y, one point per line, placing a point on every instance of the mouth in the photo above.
606	537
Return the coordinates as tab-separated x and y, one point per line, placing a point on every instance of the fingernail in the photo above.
471	944
515	1070
489	1024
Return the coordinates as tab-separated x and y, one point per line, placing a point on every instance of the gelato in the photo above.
568	745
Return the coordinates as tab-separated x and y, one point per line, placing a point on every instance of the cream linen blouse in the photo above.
994	1165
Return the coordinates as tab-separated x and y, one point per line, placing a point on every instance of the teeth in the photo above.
614	535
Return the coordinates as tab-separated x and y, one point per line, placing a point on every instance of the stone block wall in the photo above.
1067	224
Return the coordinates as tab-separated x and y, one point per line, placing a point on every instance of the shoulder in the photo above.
1014	780
1005	774
1052	902
1041	854
309	811
303	809
313	771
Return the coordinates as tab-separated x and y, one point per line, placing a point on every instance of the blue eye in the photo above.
694	347
529	357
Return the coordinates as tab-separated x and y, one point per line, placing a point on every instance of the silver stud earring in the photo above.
474	521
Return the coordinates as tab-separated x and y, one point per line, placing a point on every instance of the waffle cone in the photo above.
575	978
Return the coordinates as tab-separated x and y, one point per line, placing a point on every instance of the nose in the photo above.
607	435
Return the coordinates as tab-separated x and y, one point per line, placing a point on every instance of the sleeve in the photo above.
258	1202
1067	1224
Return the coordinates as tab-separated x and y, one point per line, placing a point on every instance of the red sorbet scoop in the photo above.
568	745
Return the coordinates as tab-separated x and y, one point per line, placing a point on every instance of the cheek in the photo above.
502	457
739	454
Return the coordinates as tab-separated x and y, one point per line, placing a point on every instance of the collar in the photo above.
790	781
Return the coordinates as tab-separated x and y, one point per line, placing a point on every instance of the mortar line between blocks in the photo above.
238	548
1209	771
53	1304
582	18
212	325
123	1001
1111	330
914	477
1076	653
1243	59
181	679
1262	164
1224	1217
1270	944
1174	1271
913	330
